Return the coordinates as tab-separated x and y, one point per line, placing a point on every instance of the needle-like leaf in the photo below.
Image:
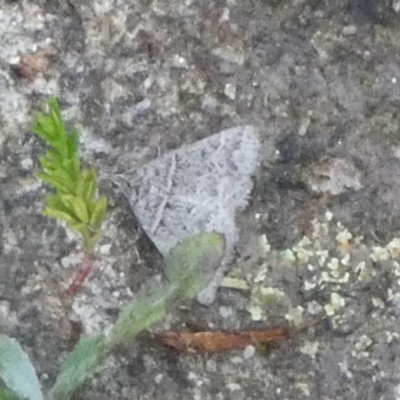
75	201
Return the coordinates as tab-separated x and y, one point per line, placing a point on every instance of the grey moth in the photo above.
196	188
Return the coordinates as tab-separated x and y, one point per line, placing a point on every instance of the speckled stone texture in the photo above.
320	82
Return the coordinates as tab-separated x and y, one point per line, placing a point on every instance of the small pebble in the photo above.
310	348
249	352
158	378
349	30
71	260
230	91
225	312
105	249
256	313
179	62
27	164
233	387
305	123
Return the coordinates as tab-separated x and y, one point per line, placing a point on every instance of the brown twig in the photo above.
212	342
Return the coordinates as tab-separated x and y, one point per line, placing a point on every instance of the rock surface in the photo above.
320	80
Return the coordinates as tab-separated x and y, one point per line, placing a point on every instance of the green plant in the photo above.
76	203
185	268
75	200
17	372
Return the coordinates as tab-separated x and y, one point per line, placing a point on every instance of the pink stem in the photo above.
79	278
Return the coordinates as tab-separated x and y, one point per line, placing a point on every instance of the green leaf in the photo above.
48	164
141	315
73	165
77	206
16	370
80	364
99	212
92	240
64	185
77	203
7	395
86	185
89	353
55	116
50	126
193	262
72	143
53	156
54	201
187	265
44	128
55	204
83	229
61	215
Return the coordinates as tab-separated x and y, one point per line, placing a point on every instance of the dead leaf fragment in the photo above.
32	65
213	342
